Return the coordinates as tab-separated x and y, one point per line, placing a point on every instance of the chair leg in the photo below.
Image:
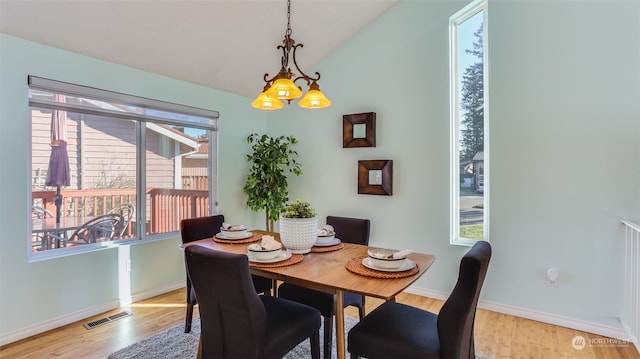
328	336
315	345
187	320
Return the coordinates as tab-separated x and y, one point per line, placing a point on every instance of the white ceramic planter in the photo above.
298	234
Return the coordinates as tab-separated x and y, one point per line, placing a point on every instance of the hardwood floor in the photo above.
497	335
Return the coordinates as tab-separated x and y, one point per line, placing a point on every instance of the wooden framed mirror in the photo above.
375	177
359	130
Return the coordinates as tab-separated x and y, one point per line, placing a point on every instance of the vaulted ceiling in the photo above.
224	44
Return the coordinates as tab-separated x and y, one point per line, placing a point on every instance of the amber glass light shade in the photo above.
314	98
265	102
284	89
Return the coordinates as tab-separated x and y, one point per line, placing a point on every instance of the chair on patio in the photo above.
236	322
395	330
194	229
39	212
127	211
350	230
99	229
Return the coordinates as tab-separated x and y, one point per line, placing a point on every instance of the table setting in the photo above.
270	254
384	263
326	240
236	233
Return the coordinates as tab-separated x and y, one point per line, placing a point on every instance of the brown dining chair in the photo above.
236	322
194	229
395	330
350	230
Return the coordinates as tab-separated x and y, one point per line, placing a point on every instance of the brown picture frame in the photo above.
375	177
359	130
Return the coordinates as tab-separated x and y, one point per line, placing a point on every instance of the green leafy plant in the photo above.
266	186
298	209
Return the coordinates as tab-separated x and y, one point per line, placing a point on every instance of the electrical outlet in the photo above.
128	265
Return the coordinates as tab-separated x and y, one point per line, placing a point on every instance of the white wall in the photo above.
42	295
564	137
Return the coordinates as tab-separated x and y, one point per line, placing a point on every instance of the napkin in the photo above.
326	230
233	227
402	253
268	244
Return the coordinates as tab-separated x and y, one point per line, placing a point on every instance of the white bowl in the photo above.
382	258
262	254
234	233
325	239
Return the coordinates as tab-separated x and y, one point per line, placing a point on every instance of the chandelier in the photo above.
282	86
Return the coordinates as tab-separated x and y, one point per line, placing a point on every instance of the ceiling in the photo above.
228	45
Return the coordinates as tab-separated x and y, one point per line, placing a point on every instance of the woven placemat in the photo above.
295	258
355	265
321	249
254	238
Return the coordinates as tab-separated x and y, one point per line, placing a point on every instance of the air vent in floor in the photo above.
105	320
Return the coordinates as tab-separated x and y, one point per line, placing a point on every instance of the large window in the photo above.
109	168
469	124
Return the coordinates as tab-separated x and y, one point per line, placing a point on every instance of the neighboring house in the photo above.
478	170
195	167
102	153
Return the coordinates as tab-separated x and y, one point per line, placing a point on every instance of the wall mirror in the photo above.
359	130
375	177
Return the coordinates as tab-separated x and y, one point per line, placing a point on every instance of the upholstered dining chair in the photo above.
350	230
236	322
193	229
395	330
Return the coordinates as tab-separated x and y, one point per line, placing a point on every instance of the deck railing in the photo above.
165	208
632	281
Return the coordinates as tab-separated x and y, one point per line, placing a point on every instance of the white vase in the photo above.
298	234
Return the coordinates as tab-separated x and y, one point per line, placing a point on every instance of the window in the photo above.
469	124
109	168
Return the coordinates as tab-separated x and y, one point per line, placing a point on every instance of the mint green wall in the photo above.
48	291
565	122
565	150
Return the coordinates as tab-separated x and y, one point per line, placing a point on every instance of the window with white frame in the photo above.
109	168
469	124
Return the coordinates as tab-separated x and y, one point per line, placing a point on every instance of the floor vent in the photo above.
105	320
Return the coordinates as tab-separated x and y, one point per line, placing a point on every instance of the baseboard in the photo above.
82	314
585	326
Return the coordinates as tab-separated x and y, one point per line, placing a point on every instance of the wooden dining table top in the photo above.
327	271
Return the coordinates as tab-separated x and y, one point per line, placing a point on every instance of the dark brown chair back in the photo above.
456	317
193	229
351	230
232	316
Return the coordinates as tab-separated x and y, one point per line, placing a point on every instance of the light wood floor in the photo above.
497	335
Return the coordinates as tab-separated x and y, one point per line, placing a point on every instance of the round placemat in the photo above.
254	238
355	265
295	258
321	249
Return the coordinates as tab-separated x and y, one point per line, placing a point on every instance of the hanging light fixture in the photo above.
282	86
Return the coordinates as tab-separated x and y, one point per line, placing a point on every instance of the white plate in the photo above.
222	236
283	256
332	242
408	264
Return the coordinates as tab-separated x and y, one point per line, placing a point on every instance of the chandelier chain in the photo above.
288	18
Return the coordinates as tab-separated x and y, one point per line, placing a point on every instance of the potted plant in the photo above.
266	185
298	227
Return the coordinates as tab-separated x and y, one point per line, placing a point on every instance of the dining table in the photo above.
332	271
